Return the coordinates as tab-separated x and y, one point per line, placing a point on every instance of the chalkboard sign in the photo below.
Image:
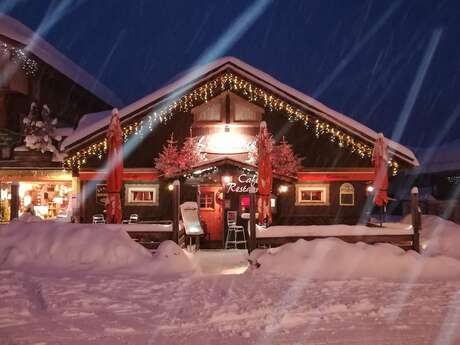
101	194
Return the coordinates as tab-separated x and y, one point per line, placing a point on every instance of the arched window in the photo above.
347	195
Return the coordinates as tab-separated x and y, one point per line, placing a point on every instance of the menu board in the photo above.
101	194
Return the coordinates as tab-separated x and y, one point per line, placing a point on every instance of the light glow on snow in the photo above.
235	270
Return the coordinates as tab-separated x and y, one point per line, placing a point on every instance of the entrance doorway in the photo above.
211	211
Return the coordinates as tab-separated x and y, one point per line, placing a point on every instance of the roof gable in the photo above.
232	74
13	29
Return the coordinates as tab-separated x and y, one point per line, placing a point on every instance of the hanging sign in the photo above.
244	184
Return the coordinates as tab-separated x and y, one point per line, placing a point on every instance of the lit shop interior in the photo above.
47	200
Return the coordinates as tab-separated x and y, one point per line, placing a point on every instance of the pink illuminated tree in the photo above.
190	153
285	162
168	162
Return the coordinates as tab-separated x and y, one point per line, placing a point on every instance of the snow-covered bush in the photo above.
40	130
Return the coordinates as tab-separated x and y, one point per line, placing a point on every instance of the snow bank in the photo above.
332	230
440	237
45	243
168	259
27	218
333	259
28	243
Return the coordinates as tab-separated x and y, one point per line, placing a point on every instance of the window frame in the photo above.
154	188
213	201
323	187
342	192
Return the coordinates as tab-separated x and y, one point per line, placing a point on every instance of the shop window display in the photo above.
47	200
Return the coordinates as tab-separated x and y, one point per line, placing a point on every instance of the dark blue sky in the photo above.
360	57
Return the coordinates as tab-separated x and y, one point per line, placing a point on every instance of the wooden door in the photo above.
211	211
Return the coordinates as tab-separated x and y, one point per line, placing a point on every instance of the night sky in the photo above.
378	61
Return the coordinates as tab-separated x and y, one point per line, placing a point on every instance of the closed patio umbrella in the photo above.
380	161
115	169
264	149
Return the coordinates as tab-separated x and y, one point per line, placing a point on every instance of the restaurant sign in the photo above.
243	184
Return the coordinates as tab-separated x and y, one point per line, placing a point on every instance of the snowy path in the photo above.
250	308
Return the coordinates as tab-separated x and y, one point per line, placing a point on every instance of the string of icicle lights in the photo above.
19	57
242	87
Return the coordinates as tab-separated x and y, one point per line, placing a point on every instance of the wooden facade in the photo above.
331	187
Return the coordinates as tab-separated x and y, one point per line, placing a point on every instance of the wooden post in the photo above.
175	207
14	213
76	199
252	219
199	216
416	218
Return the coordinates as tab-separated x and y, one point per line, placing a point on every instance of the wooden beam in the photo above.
128	175
14	213
416	218
227	108
336	176
175	206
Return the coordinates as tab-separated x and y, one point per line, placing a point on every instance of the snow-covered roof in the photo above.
88	120
13	29
194	76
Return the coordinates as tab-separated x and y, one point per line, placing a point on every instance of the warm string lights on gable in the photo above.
20	58
230	82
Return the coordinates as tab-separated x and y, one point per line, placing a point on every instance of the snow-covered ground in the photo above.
318	292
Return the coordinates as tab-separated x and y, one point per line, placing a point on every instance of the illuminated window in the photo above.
347	194
312	194
141	194
207	200
244	204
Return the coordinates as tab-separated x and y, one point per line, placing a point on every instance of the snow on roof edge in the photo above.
250	72
331	114
15	30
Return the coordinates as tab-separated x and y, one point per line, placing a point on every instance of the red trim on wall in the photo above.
131	175
336	176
